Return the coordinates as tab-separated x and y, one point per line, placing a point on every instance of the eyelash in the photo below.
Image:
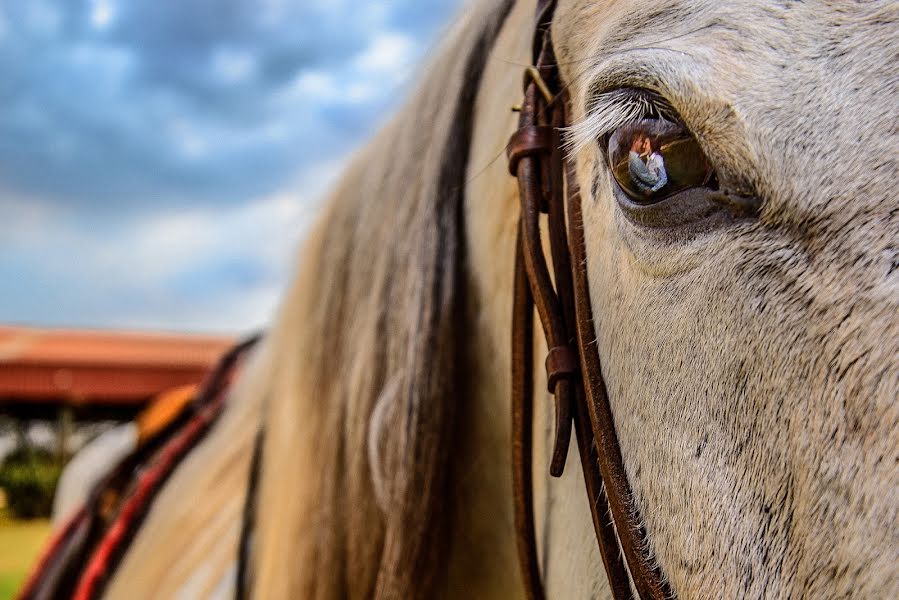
614	109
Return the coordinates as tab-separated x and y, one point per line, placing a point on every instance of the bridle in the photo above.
547	184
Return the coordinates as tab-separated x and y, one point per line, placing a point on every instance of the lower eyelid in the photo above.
690	210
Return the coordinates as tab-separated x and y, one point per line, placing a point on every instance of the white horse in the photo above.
752	363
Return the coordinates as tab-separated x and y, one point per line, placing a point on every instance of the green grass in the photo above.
20	543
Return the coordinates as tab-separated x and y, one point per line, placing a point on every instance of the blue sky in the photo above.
159	161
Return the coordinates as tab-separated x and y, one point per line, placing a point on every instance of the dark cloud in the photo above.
159	159
147	103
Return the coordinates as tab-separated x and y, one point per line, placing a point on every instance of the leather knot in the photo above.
528	141
560	362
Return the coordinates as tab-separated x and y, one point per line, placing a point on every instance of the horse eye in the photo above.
654	158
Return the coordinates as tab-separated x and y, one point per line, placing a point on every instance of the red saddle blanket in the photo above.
82	555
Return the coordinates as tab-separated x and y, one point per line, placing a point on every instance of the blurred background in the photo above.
159	163
158	160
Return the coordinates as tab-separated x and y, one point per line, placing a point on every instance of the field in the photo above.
20	542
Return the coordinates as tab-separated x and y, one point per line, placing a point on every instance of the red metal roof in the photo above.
81	367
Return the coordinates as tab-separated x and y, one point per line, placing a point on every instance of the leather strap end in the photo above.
563	397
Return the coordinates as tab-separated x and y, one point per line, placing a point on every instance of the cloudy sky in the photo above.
160	160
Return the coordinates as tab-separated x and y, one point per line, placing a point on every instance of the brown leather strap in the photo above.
529	140
646	575
546	180
522	428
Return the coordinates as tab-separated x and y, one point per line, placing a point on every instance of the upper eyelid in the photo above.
655	71
611	110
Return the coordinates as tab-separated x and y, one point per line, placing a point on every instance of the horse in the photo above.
750	356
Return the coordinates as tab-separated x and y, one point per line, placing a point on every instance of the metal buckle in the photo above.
535	76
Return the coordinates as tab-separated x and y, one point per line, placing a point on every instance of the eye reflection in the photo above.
653	159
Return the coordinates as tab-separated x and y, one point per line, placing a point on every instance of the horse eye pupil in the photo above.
653	159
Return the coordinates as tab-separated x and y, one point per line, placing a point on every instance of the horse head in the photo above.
744	315
746	325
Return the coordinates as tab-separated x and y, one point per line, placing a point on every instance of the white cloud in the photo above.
233	66
362	91
99	272
186	139
310	84
124	114
378	70
388	51
102	14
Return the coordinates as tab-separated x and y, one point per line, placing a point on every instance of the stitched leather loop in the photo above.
528	141
561	361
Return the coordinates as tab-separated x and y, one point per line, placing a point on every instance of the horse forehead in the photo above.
843	36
